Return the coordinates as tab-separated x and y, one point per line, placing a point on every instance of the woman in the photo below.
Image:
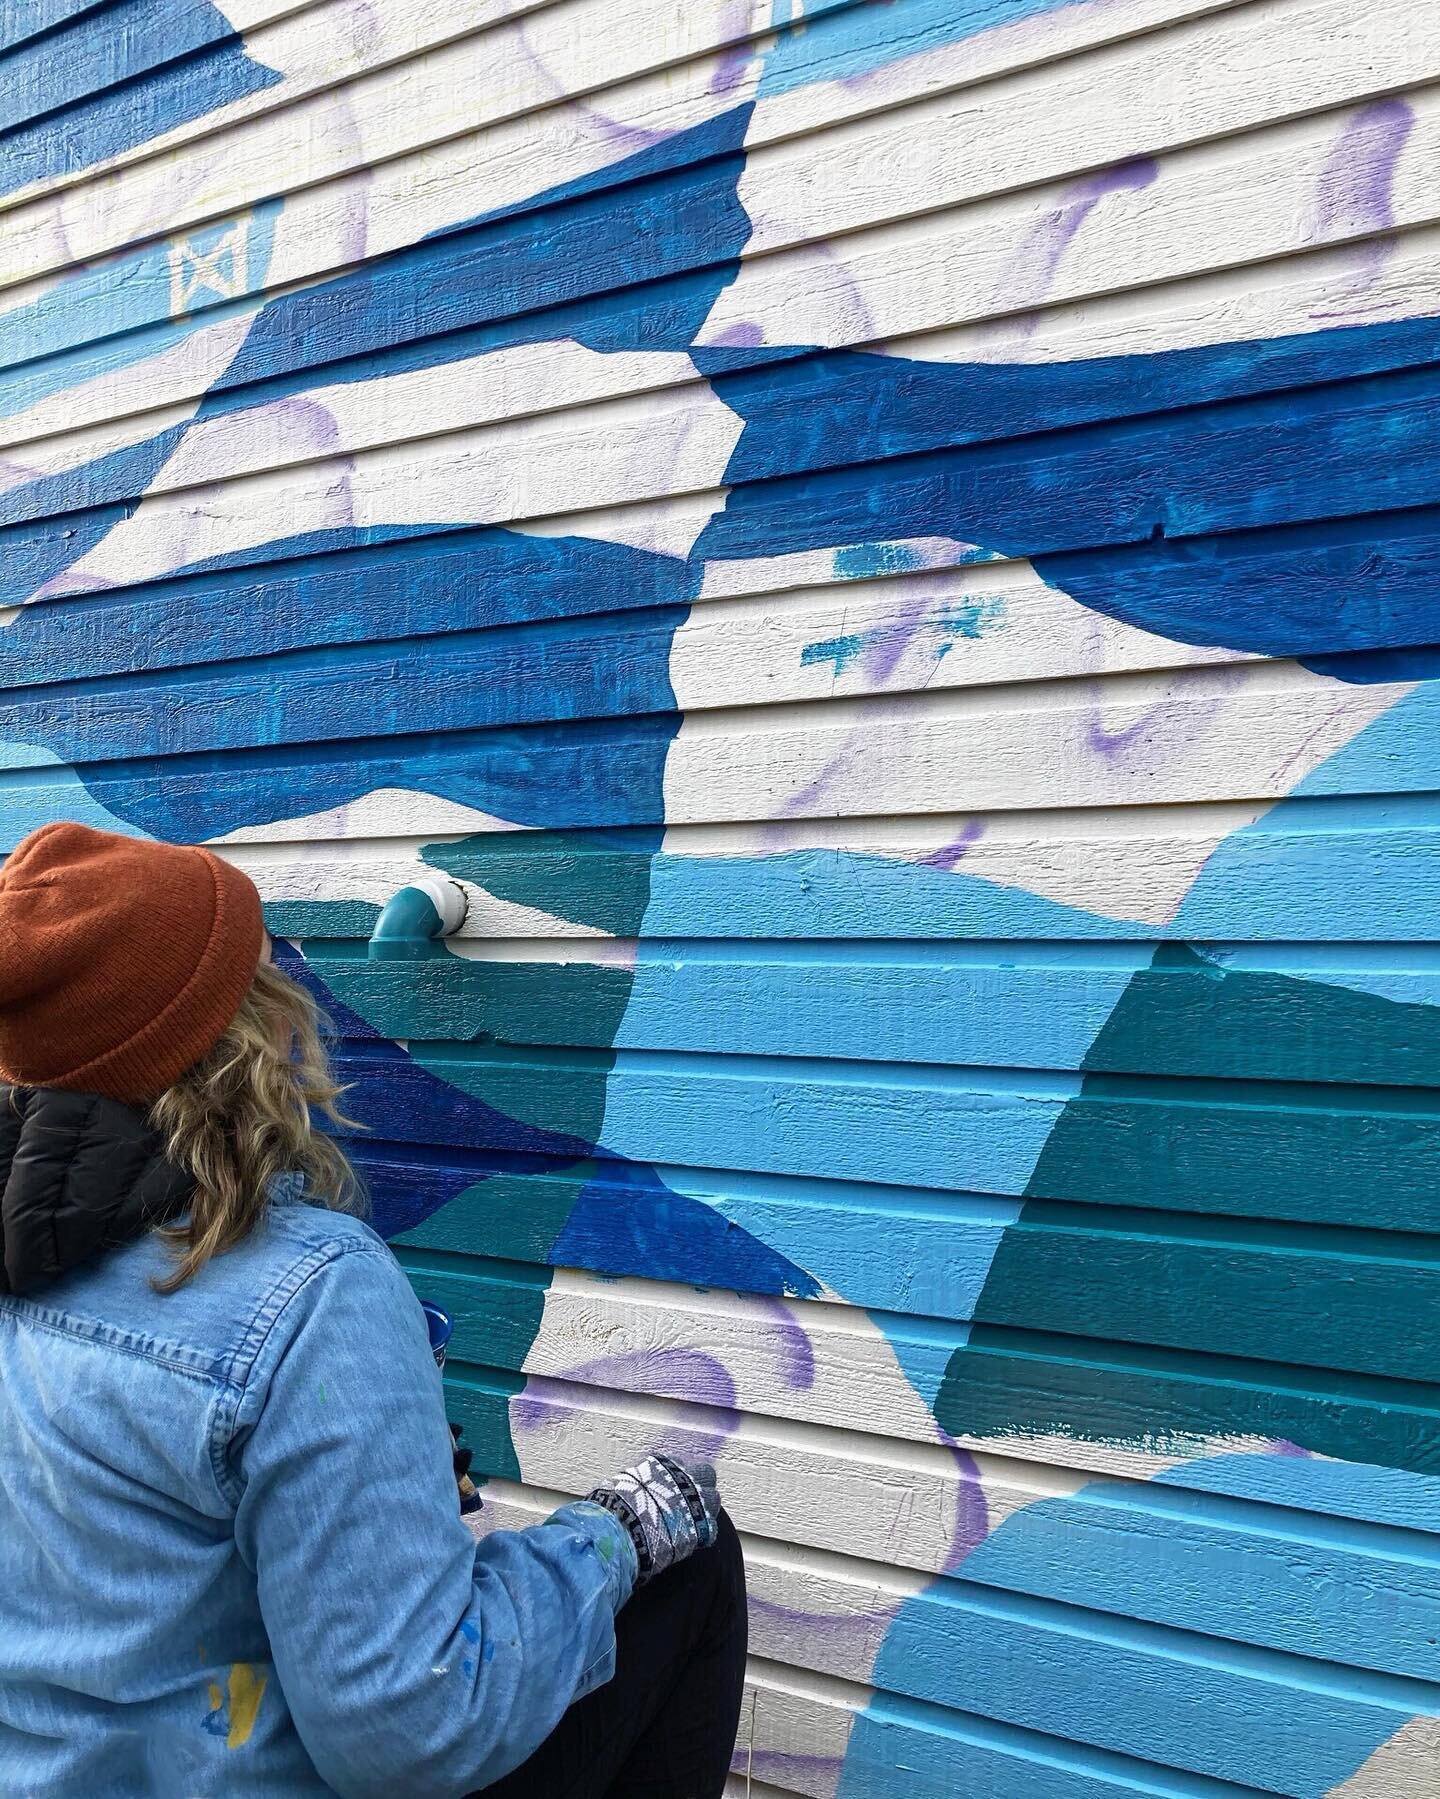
231	1556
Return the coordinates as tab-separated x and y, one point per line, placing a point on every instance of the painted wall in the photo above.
894	547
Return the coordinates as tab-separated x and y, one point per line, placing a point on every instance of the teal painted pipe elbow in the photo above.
411	922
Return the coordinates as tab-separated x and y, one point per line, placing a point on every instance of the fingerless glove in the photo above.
669	1509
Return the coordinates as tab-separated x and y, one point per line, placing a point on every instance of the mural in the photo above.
892	545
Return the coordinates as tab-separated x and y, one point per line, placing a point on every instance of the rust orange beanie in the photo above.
122	961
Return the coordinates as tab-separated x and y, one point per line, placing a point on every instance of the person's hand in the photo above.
669	1509
462	1456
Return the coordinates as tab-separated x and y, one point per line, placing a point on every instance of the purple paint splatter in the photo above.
951	854
1355	192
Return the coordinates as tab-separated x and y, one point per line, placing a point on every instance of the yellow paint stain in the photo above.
247	1689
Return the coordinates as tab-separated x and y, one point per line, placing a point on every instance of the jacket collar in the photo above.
78	1174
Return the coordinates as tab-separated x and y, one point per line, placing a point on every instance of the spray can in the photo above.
441	1325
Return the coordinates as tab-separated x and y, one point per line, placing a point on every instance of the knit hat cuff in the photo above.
194	1021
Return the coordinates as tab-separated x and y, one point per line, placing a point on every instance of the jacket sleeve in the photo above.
413	1659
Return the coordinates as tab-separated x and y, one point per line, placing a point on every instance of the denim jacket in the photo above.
231	1559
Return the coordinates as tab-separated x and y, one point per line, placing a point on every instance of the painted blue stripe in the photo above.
24	19
316	594
855	40
670	210
103	50
150	105
1297	1729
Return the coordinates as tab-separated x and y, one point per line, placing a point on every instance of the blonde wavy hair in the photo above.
245	1115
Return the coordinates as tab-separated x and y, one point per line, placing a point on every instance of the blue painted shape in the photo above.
207	68
890	1249
96	55
550	774
1399	752
670	211
818	1118
41	797
840	893
1278	1731
1369	1495
866	1001
330	588
834	407
901	1749
32	553
643	1226
1303	864
28	18
922	1350
853	41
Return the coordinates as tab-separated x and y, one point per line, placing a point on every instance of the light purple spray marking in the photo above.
951	854
626	137
1355	194
736	57
797	1351
972	1513
687	1374
1036	264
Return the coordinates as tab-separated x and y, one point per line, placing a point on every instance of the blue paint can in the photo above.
441	1326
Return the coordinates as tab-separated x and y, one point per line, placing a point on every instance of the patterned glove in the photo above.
670	1510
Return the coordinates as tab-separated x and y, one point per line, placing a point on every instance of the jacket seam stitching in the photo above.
262	1328
17	1307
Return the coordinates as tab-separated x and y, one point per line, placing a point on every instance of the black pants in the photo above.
664	1727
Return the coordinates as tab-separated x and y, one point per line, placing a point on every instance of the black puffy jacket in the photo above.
78	1174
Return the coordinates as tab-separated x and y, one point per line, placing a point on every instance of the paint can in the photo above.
441	1327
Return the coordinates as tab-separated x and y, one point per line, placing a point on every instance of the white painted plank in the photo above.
1246	731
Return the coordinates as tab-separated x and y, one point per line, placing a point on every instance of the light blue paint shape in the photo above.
840	893
917	1002
1409	975
888	1249
59	793
859	39
864	561
953	1129
1397	752
1243	1714
922	1351
1372	1496
901	1749
1369	859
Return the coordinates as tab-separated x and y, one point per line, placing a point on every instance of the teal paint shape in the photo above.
513	1217
481	1407
588	878
320	918
1249	1149
496	1308
1191	1013
455	999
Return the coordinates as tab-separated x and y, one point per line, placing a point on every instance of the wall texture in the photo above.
894	547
